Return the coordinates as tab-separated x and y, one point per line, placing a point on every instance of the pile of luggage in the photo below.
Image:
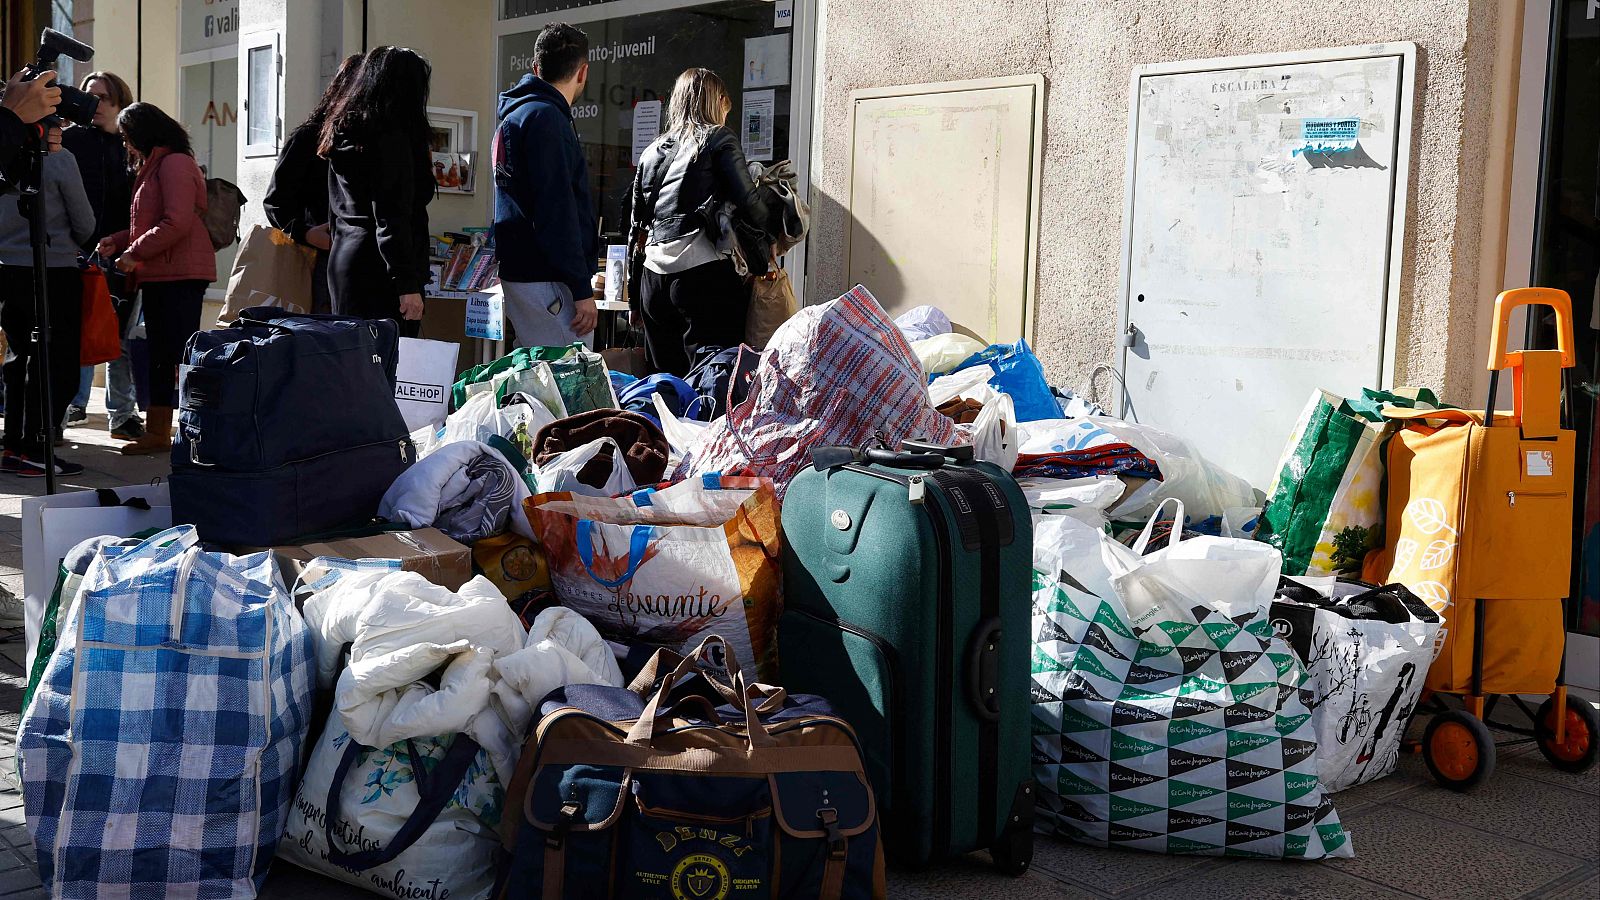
872	592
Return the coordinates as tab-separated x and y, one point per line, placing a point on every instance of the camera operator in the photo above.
24	103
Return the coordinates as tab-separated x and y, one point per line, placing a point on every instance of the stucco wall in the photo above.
456	37
1087	50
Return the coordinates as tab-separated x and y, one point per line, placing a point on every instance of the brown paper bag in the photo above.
772	302
270	270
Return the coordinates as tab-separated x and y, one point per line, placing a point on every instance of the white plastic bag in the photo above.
389	723
972	383
923	322
994	432
1205	488
684	436
1236	578
945	352
561	473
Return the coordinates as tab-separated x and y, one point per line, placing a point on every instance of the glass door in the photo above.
1566	255
636	51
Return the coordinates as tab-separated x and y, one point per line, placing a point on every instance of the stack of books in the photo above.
466	263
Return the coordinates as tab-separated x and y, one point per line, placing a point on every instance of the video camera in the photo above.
76	106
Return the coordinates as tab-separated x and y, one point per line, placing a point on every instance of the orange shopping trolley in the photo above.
1479	525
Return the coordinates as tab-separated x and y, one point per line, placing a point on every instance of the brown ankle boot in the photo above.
157	434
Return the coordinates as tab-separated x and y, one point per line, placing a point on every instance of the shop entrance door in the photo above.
636	50
1566	255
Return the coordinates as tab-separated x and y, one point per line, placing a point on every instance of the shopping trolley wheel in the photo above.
1458	749
1577	752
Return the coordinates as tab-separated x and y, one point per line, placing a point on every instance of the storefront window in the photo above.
633	61
1567	256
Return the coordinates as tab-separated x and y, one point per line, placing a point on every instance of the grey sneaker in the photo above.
131	430
76	415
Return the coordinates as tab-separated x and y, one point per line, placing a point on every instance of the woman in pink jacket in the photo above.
167	252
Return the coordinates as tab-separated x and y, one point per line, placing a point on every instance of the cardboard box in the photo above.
426	551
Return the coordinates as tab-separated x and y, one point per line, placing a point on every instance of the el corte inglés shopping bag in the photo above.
669	567
1184	735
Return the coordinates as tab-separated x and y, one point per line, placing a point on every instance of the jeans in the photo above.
85	382
528	308
121	402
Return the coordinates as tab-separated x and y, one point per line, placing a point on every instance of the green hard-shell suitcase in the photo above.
907	592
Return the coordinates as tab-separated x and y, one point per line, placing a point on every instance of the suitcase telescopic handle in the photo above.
1508	301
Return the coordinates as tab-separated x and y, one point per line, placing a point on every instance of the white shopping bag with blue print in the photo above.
404	790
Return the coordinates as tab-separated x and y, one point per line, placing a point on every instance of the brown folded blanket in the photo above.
644	447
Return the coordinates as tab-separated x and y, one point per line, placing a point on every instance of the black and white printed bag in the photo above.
1367	650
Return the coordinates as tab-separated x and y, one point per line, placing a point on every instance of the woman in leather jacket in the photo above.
690	296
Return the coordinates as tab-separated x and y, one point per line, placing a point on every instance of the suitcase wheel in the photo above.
1013	852
1577	752
1458	749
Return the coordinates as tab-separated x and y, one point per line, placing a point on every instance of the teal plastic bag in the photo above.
1018	373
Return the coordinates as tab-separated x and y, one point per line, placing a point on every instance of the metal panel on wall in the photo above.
1262	241
943	200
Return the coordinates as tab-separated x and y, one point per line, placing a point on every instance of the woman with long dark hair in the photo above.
692	299
375	139
167	251
297	201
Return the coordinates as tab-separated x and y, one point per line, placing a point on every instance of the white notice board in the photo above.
943	199
1262	234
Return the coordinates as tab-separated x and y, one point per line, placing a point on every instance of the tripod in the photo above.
32	201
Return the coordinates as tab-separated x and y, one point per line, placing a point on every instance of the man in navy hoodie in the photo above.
544	222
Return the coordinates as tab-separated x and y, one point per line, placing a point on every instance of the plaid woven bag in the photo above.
160	752
835	375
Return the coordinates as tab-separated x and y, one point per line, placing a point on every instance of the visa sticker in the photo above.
1539	463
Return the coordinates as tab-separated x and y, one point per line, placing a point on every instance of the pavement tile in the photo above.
10	859
1114	872
1517	808
1528	762
1431	857
1410	775
973	876
1587	889
1262	878
17	880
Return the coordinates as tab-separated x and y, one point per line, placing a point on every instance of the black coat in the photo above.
378	197
670	201
297	201
14	137
103	163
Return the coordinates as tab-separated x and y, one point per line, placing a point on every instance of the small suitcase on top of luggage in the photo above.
287	425
907	604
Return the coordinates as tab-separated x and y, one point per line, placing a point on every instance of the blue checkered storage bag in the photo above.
161	751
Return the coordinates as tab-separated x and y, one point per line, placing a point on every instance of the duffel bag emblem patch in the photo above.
700	876
841	520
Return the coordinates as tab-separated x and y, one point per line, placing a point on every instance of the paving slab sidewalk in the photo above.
1529	832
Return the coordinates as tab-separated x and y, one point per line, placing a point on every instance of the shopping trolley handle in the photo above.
1508	301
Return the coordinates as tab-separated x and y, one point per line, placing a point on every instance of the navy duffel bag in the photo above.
275	387
286	425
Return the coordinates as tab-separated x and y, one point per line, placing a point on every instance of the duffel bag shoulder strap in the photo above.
434	790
